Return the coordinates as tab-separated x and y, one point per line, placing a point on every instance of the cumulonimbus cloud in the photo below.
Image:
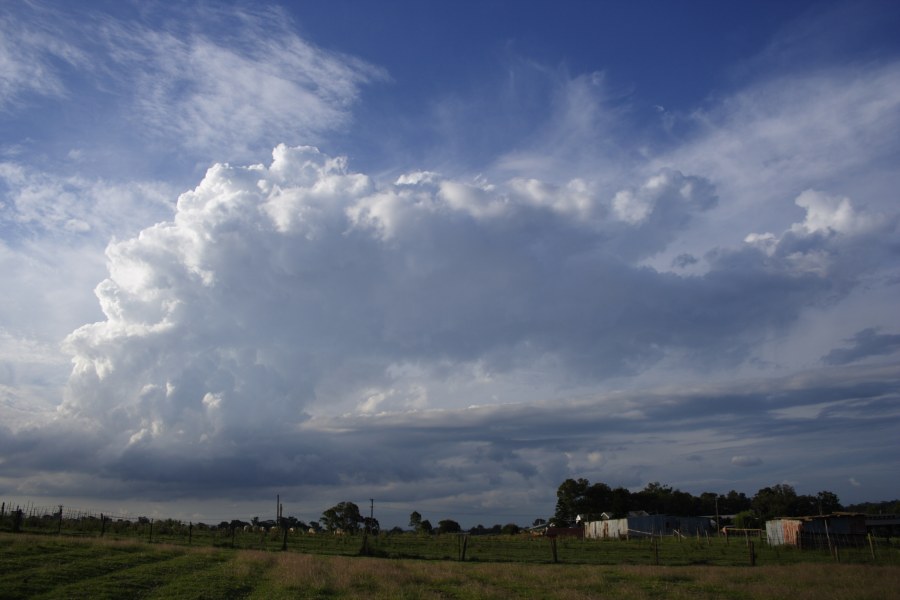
273	284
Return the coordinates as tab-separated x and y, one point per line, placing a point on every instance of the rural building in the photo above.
820	531
644	525
883	525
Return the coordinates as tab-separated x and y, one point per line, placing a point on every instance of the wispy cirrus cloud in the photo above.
219	84
252	83
33	60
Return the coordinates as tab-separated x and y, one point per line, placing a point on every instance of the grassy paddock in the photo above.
64	567
667	551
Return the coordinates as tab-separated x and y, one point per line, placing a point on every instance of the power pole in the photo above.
371	508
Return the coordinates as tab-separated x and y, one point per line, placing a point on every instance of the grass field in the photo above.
33	566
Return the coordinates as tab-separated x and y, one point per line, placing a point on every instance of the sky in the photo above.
445	255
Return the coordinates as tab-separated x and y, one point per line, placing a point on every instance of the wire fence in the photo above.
672	550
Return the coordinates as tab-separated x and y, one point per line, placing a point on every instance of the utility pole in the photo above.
371	508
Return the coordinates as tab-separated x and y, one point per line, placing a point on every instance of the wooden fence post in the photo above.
190	532
871	546
150	539
553	549
752	554
655	542
364	550
59	525
465	544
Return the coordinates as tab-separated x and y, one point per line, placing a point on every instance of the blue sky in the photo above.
445	255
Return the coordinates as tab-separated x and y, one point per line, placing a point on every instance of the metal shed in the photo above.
644	526
820	531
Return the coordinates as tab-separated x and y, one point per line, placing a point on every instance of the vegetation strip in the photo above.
102	569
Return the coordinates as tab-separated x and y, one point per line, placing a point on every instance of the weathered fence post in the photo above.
465	544
871	546
150	539
190	532
17	520
59	525
364	549
553	549
752	554
102	524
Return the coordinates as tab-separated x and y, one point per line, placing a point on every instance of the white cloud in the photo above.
300	288
746	461
252	83
48	204
167	89
831	214
29	59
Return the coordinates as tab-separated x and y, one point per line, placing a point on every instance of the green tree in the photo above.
510	529
805	505
344	516
828	502
733	502
418	524
372	525
620	502
579	497
448	526
569	500
746	520
776	501
706	503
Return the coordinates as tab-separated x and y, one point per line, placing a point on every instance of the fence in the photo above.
523	548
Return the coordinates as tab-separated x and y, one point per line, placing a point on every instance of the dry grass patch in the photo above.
44	566
308	576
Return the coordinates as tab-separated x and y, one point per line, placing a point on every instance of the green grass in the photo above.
66	567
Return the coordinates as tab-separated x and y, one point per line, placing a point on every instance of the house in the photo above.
819	531
645	525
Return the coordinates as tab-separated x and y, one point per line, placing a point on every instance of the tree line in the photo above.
579	497
576	497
